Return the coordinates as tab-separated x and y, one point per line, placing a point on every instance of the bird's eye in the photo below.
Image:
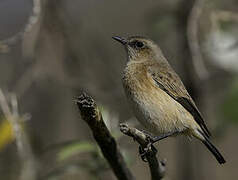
139	44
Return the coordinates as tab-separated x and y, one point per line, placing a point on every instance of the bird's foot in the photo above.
148	149
143	151
151	140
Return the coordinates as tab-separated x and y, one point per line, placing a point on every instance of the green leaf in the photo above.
75	148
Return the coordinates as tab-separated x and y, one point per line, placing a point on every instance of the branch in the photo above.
92	116
11	114
32	20
193	42
157	169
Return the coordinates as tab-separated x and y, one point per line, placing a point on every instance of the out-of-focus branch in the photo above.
36	12
32	20
157	169
41	33
193	41
221	15
226	15
11	114
92	116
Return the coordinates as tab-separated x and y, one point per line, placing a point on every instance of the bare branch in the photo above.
157	169
3	104
92	116
32	20
226	15
193	41
28	171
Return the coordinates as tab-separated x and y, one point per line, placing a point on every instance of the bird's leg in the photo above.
149	146
144	151
153	139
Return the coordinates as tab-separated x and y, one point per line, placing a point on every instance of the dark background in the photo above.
66	48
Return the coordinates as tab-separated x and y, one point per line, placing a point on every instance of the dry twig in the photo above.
11	114
32	20
157	169
92	116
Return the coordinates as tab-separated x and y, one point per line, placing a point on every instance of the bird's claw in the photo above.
144	151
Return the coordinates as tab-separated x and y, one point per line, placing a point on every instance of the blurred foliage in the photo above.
69	154
161	24
229	108
76	148
227	25
4	48
67	160
6	135
221	42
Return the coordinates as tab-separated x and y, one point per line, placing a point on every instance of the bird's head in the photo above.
140	48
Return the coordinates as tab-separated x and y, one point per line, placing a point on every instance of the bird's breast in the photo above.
153	107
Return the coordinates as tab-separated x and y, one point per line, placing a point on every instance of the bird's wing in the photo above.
170	82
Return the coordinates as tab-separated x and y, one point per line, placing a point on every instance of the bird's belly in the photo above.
158	112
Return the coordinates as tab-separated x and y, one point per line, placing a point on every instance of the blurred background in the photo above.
51	51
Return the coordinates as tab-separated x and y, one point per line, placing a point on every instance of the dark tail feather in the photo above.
205	130
214	151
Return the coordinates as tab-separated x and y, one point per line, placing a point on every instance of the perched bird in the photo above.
157	95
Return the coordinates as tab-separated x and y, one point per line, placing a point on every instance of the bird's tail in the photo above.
202	136
214	150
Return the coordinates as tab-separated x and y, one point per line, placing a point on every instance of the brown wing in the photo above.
167	80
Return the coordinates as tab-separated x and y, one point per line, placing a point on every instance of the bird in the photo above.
157	95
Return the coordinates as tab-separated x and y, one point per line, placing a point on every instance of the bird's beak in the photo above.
120	39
